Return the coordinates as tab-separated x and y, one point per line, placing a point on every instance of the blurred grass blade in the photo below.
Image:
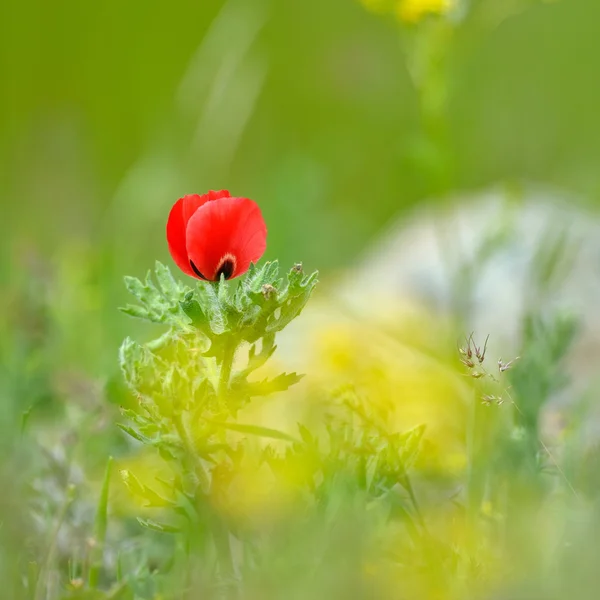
100	528
257	430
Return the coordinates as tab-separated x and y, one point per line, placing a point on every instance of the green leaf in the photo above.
294	299
193	310
257	277
411	445
161	342
271	386
150	497
155	526
171	288
146	292
136	311
158	304
255	430
130	431
255	361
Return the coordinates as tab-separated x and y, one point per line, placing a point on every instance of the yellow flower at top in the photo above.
410	11
413	11
376	6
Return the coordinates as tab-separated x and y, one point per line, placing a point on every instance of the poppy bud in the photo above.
213	234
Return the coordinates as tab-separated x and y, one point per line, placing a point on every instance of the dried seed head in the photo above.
488	399
480	354
502	366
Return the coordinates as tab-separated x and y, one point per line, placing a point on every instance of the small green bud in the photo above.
268	291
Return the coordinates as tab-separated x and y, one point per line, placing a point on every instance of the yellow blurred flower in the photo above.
413	11
410	11
454	560
376	6
250	493
403	360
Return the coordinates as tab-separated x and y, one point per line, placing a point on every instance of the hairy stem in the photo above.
225	560
190	449
219	531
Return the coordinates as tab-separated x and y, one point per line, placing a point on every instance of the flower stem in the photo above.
225	560
219	531
190	448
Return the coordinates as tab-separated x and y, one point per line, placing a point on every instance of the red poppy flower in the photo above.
213	234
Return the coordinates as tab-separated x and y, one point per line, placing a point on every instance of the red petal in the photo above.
192	202
212	195
230	228
176	225
177	222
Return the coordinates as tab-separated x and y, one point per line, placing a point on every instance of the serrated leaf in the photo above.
170	287
159	304
217	347
255	361
261	299
148	495
267	274
161	342
131	358
135	311
155	526
136	435
299	282
144	292
185	506
411	445
293	301
193	310
270	386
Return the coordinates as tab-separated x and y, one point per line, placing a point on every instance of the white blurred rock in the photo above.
421	261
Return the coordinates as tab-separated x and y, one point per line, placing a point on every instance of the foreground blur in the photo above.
413	475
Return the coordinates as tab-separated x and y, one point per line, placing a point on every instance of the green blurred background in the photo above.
110	111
